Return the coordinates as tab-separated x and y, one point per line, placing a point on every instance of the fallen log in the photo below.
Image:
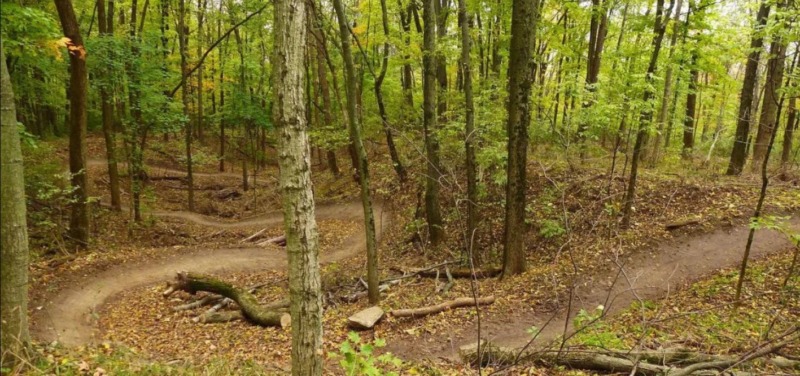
463	273
619	362
429	310
576	359
220	317
251	309
254	236
681	223
279	241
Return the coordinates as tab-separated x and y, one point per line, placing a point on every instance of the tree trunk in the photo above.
324	89
302	242
14	336
357	141
183	43
597	37
469	132
107	115
691	109
396	162
430	124
668	81
768	121
78	98
746	110
200	37
521	64
646	116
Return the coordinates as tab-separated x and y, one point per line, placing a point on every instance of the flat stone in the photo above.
365	319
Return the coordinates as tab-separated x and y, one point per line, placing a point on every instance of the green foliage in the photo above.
549	228
597	333
357	358
29	31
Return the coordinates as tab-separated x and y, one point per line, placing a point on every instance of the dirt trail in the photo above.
168	172
649	274
69	315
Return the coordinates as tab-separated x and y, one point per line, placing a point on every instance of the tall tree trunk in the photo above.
668	81
183	43
78	98
768	121
464	19
201	12
107	115
691	108
357	142
746	110
646	116
597	37
288	114
220	55
324	89
137	130
396	162
791	118
521	65
430	124
14	337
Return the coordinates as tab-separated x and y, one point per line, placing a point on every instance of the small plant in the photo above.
597	333
357	358
549	228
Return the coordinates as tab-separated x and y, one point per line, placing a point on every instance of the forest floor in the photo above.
109	298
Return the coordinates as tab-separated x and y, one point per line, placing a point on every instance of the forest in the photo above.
400	187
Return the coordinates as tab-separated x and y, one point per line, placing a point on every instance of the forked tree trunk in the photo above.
521	64
14	336
78	98
302	242
358	143
597	37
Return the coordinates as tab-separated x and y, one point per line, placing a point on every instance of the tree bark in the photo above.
14	337
768	121
302	242
521	66
691	109
430	124
746	110
469	133
357	141
324	89
646	116
78	98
